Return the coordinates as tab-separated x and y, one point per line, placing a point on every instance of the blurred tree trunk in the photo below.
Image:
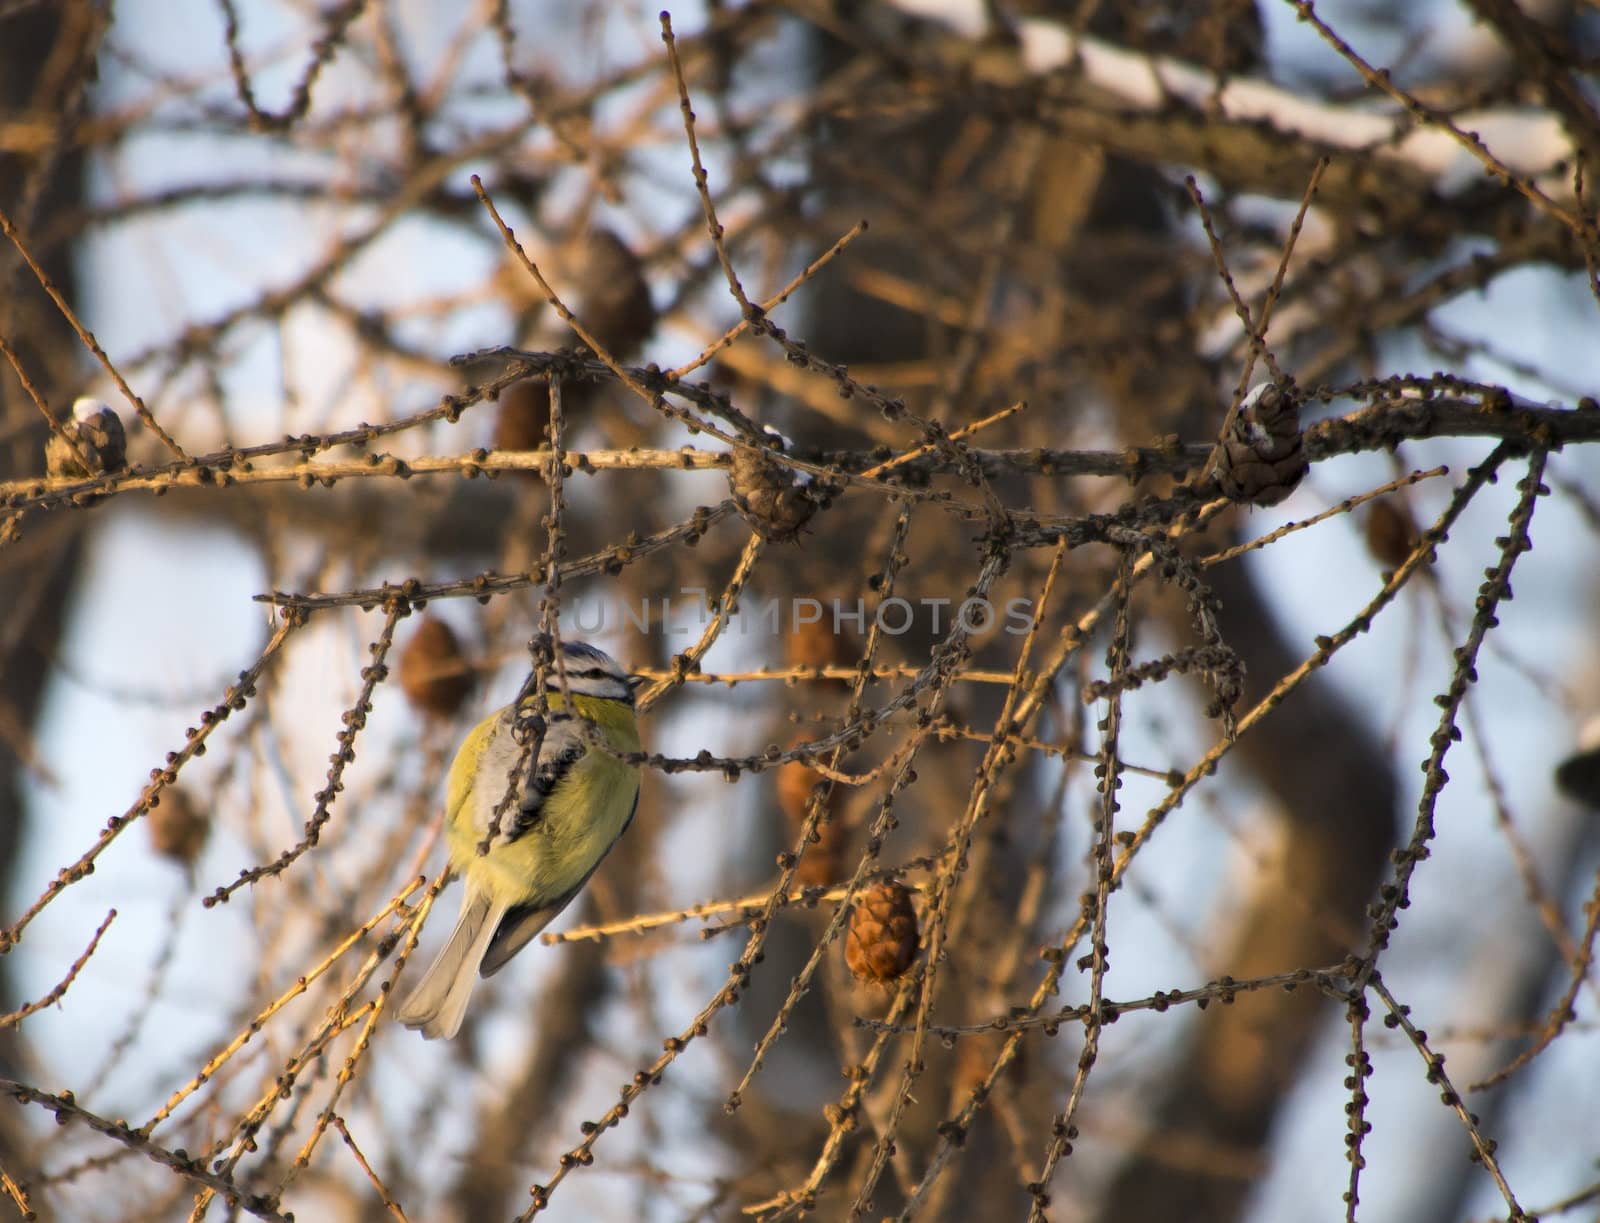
1124	309
847	322
46	59
1319	757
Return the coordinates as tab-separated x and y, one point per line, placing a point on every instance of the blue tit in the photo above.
575	801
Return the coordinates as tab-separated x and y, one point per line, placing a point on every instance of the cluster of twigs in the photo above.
947	770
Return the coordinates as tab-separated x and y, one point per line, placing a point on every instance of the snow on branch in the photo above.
1528	142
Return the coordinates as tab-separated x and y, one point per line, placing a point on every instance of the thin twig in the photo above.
89	342
68	1111
56	994
384	1196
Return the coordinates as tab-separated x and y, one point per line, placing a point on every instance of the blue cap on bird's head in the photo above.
589	671
584	652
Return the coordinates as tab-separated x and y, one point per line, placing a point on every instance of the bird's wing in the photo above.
520	924
464	768
517	928
564	745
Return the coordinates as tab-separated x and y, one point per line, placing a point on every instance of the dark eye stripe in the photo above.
554	678
601	684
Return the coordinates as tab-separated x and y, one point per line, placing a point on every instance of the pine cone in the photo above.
434	673
100	436
773	502
1392	533
815	643
611	298
1578	776
882	939
524	419
1261	460
177	830
823	862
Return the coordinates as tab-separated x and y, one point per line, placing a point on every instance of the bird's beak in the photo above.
636	682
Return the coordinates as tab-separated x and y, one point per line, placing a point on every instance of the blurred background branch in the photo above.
1035	718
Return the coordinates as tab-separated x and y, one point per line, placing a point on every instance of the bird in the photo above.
575	802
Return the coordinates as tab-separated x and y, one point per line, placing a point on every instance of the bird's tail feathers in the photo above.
437	1003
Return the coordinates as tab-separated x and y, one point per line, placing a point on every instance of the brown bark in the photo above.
46	56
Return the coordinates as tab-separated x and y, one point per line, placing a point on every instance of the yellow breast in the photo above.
580	820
